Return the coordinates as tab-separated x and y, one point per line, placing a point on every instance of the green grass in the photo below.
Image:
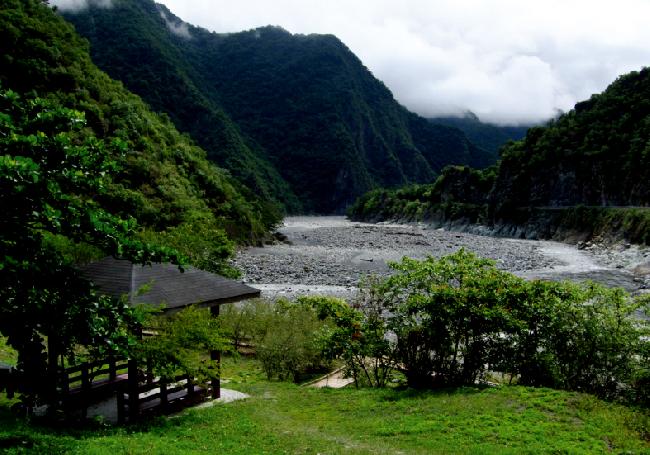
285	418
7	354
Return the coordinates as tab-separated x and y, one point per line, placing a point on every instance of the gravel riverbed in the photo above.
331	254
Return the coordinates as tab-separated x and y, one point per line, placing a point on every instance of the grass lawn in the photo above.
285	418
7	355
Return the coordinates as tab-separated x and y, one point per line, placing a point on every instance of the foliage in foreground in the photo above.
452	321
285	418
285	336
180	344
50	175
87	170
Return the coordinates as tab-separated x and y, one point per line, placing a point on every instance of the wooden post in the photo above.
52	369
11	383
65	382
112	371
216	357
163	396
134	394
85	378
85	389
148	374
190	386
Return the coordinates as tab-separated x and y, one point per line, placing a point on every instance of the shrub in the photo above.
356	335
181	345
243	323
285	336
580	337
450	321
448	317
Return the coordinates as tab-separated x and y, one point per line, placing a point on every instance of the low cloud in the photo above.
80	5
509	61
178	28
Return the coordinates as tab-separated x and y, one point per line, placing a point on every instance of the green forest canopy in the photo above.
87	170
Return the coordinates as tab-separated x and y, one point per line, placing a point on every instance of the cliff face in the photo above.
463	184
585	174
598	154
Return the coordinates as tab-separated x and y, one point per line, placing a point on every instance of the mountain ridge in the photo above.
489	136
586	174
304	105
162	179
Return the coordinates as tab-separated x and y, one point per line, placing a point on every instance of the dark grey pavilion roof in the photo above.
167	284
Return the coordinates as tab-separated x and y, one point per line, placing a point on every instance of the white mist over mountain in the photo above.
509	61
79	5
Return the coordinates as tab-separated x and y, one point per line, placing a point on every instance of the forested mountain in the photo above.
587	171
132	43
158	176
597	154
488	136
265	100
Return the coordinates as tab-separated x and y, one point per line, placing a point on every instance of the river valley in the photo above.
330	255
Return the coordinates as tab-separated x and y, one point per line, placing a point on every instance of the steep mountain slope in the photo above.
586	173
161	178
597	154
131	42
485	135
305	104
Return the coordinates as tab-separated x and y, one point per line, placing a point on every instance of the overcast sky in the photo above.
508	61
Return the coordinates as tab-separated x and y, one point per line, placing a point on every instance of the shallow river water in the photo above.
329	255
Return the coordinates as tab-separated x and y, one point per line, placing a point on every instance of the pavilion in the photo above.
167	286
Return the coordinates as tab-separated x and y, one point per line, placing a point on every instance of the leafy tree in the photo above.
447	316
50	174
358	336
181	345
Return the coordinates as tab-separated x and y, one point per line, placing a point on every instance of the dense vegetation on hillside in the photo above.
131	43
458	194
304	105
87	170
597	154
161	178
587	171
488	136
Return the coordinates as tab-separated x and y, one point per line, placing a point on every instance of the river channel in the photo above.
330	255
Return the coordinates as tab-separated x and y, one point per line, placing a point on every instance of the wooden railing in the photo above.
138	391
157	396
88	375
90	382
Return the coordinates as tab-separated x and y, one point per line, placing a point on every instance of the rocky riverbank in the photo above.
331	255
